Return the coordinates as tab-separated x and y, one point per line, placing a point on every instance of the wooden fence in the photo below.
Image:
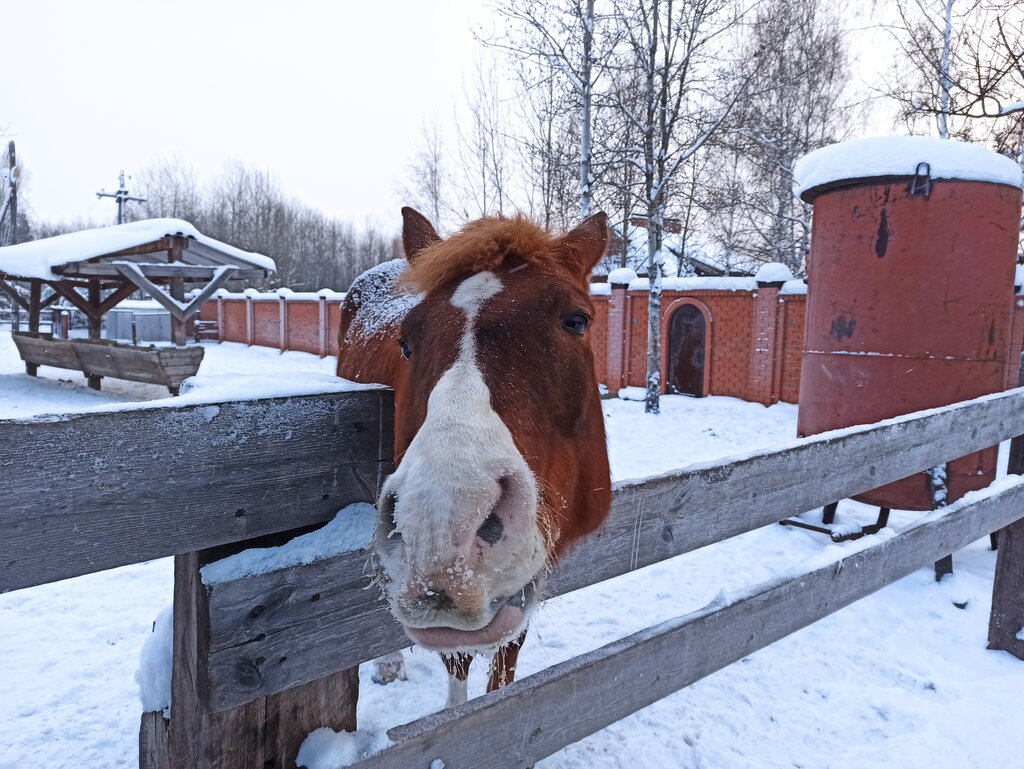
261	661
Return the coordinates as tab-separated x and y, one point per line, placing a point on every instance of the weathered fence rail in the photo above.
260	661
145	483
651	520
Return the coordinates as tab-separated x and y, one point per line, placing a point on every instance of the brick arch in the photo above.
666	322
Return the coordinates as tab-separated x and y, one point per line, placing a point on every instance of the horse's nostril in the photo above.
491	529
438	599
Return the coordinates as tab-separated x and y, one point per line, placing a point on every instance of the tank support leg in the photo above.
938	475
828	515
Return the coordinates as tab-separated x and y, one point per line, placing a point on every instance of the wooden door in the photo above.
687	342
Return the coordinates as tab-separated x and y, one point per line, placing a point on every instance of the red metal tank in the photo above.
910	300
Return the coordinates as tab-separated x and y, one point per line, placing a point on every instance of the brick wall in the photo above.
736	366
754	349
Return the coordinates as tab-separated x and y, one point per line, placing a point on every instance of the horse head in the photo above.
500	442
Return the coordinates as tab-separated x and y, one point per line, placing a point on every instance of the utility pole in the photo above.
9	208
9	201
121	196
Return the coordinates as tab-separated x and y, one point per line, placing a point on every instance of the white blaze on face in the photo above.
461	464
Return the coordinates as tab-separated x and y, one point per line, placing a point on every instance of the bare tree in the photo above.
426	179
170	188
482	179
676	47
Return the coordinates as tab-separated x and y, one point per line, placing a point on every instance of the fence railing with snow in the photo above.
265	642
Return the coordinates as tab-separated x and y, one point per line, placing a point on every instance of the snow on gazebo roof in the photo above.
37	259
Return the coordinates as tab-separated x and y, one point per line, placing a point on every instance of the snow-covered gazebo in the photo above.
96	269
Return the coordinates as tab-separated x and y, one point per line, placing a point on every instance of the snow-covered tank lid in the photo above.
884	157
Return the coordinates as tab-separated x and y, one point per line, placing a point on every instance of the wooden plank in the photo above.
1006	621
139	484
263	733
44	350
153	742
651	520
525	721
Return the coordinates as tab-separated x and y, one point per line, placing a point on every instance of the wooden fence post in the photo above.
1006	623
262	734
220	318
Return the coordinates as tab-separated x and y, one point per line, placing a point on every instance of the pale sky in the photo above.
330	96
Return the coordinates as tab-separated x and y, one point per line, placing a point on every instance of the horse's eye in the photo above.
406	352
577	323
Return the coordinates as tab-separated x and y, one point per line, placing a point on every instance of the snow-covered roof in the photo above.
702	254
38	258
887	156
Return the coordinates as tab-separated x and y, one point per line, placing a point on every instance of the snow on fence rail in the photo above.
261	661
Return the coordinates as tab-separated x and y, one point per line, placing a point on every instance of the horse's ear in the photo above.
586	244
417	232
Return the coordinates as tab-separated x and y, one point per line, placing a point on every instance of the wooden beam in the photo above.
69	293
8	289
526	721
150	482
180	312
152	271
651	520
121	293
49	300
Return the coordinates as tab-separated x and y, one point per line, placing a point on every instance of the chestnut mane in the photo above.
481	245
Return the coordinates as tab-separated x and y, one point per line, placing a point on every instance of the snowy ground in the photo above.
901	678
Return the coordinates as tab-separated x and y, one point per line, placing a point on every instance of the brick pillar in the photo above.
250	317
282	309
618	329
322	299
767	350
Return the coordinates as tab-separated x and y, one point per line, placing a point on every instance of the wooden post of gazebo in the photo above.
178	325
34	310
95	326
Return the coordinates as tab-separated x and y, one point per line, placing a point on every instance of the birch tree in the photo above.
564	38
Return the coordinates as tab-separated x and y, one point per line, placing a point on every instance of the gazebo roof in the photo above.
145	241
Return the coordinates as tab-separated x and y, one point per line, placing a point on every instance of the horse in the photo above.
500	450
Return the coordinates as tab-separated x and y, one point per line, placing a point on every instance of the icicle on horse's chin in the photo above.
499	435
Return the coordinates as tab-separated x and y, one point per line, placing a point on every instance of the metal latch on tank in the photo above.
921	184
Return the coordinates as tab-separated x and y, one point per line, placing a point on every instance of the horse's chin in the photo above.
503	627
